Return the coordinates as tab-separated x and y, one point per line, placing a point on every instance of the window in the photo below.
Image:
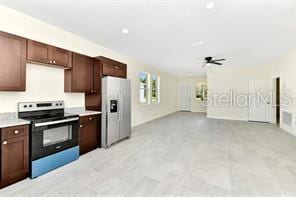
201	92
144	89
154	89
149	88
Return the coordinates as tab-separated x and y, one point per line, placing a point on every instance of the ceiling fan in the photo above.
210	60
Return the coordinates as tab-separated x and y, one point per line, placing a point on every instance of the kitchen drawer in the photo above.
11	132
84	119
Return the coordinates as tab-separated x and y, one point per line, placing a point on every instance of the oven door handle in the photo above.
55	122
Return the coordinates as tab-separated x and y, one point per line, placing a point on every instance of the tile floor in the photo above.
183	154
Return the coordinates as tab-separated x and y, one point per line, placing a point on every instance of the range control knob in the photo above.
30	105
57	104
25	106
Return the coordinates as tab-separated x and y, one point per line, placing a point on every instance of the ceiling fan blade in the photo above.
216	63
219	60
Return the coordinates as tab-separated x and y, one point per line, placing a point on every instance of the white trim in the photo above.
288	129
154	118
226	118
199	111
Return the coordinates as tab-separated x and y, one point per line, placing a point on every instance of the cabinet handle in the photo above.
91	91
16	132
54	62
50	61
90	118
81	126
5	142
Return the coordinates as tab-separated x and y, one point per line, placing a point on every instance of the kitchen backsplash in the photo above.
42	84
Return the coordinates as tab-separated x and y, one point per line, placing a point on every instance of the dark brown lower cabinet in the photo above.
89	133
14	154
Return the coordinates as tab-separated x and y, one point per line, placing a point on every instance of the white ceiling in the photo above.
250	32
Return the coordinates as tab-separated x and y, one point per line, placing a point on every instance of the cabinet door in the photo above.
15	158
88	135
61	57
108	69
120	71
39	52
12	62
97	77
82	76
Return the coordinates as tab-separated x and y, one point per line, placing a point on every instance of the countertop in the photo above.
11	120
81	111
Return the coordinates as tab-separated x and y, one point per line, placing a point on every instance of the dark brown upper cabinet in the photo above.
80	77
93	99
39	52
12	62
112	68
97	76
62	57
47	54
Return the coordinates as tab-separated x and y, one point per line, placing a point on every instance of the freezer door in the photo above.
110	110
125	108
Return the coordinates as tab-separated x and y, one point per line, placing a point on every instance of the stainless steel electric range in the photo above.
53	135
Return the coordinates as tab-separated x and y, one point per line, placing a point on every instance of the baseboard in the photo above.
200	112
288	130
226	118
154	118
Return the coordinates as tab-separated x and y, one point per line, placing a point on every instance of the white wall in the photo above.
285	68
14	22
42	84
224	80
196	105
221	81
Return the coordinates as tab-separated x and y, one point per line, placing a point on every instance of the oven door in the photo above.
54	136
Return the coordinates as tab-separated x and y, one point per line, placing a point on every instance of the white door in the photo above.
259	101
184	98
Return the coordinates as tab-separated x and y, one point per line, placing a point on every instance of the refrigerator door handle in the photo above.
120	105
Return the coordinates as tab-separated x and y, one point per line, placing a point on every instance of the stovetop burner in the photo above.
49	117
37	112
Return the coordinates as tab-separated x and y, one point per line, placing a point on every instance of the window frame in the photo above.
157	89
146	90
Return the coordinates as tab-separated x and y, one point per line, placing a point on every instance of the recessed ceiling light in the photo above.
199	43
210	5
125	31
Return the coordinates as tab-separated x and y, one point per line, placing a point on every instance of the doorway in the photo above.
278	100
184	98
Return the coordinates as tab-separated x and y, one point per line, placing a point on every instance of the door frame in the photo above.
189	87
276	83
